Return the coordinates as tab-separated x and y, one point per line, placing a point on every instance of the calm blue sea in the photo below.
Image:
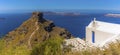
74	24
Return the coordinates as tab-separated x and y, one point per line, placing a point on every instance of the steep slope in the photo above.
34	31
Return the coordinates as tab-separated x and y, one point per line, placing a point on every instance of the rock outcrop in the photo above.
77	44
38	15
35	30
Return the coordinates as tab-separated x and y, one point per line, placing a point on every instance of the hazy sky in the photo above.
13	5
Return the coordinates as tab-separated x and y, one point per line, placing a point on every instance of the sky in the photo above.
27	5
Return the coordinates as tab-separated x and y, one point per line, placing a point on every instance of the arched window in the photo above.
93	36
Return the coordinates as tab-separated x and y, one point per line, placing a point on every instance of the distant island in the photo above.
62	13
113	15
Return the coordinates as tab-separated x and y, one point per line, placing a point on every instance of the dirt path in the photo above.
29	40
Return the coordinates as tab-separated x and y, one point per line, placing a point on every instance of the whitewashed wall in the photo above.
100	36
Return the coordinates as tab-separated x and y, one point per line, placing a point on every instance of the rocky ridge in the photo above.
34	31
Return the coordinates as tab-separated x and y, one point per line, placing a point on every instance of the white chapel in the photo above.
100	33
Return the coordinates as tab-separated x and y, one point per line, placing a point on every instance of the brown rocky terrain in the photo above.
34	31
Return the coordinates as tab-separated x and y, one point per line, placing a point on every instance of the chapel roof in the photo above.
106	27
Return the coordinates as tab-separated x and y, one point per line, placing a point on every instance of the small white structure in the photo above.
100	33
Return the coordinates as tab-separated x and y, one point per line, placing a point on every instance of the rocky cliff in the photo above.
34	31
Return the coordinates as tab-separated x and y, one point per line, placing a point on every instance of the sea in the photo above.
75	24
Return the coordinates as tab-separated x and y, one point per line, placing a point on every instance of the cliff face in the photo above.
34	31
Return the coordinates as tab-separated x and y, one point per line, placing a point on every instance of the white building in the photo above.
100	33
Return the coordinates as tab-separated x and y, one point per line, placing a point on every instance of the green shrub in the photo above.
51	46
2	45
13	50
